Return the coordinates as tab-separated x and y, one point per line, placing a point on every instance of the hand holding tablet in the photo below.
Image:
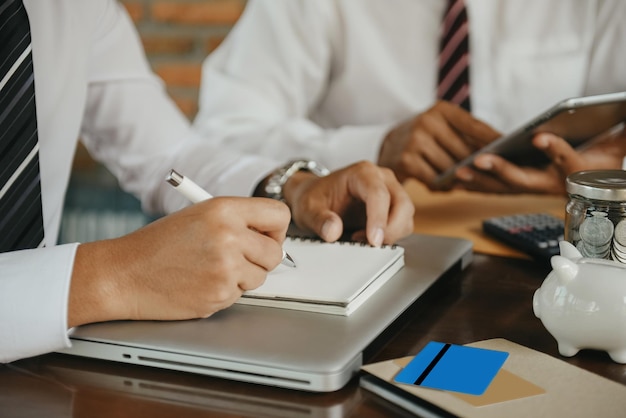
577	120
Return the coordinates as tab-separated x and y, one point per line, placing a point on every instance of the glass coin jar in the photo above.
595	216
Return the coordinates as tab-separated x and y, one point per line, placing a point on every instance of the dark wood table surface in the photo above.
492	298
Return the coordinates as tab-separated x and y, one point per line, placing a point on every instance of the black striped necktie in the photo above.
453	83
21	221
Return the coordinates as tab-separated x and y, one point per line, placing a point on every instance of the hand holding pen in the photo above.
196	194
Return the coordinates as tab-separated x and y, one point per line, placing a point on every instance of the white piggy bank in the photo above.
582	303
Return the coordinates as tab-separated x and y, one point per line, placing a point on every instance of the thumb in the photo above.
328	225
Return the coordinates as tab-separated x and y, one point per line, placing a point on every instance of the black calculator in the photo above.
537	234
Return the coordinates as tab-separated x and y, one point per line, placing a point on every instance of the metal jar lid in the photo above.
608	185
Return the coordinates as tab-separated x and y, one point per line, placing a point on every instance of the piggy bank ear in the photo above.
568	250
564	268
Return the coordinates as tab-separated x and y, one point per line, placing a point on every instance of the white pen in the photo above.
196	194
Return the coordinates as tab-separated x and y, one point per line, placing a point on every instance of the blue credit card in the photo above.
451	367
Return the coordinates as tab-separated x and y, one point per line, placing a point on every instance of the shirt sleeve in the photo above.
135	129
36	323
260	89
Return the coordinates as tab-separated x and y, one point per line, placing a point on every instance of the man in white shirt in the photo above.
92	81
342	81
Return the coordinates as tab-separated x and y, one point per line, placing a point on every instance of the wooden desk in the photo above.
491	298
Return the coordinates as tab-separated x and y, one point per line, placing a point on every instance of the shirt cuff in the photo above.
34	295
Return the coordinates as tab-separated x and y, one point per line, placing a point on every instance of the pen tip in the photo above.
287	260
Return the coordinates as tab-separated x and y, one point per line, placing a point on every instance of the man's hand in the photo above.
492	173
361	197
186	265
433	141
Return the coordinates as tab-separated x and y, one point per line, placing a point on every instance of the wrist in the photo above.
95	292
293	186
90	294
289	176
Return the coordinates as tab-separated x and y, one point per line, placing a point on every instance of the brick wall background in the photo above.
177	36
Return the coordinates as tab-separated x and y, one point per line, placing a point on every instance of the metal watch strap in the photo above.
276	181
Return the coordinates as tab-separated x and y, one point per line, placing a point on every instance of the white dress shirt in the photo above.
92	82
327	79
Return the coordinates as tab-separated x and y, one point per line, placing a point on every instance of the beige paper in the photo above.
505	386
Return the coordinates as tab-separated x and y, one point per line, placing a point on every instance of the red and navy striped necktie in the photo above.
21	220
453	82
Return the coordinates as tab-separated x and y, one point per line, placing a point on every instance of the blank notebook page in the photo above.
327	272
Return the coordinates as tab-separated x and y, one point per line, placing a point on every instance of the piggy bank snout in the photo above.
536	303
563	272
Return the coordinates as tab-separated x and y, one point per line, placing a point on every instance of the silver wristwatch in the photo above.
276	181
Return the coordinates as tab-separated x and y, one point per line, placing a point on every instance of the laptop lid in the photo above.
278	347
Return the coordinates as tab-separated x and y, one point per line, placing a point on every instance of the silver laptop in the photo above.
279	347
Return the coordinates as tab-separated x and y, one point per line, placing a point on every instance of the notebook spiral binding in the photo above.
318	239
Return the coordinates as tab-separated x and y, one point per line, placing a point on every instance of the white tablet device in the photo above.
577	120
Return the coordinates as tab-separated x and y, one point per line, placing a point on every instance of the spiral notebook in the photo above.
331	278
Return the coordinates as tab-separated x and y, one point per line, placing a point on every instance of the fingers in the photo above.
328	225
370	187
312	200
362	196
441	144
263	215
262	254
389	208
562	155
261	239
494	174
433	141
501	176
459	135
483	181
476	132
